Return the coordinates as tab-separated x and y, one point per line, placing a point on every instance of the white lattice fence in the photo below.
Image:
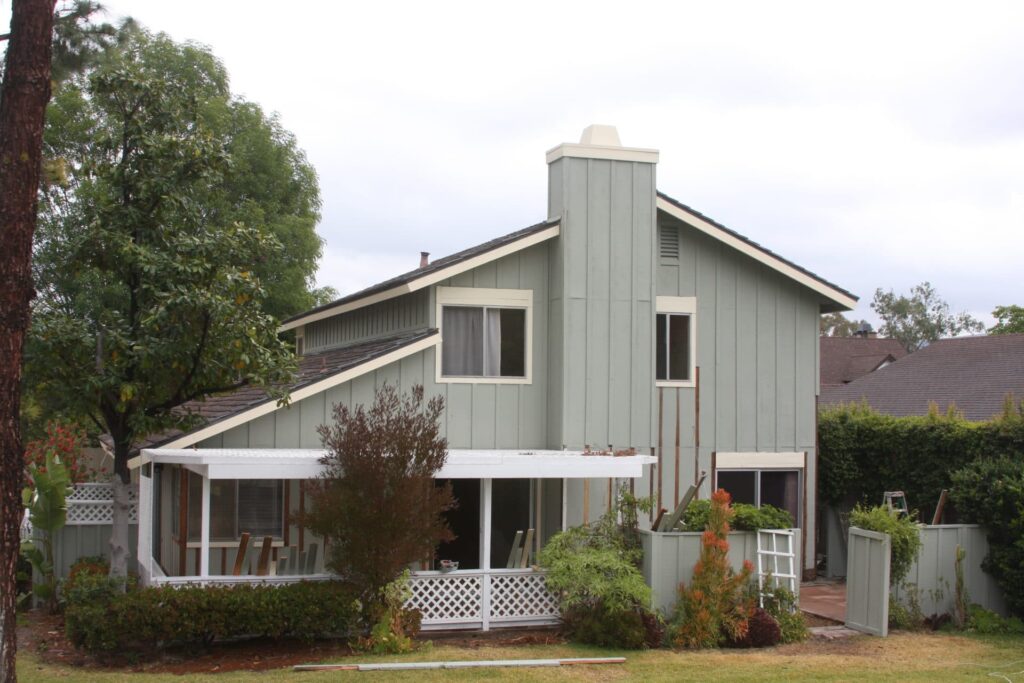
521	596
448	598
94	504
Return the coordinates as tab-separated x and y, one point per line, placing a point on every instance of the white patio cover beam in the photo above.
256	463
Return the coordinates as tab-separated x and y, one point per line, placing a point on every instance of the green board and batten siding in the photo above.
401	314
482	416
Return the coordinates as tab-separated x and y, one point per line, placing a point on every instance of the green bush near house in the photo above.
101	619
902	530
991	493
745	517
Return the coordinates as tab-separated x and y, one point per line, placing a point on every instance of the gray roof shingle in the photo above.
974	373
844	359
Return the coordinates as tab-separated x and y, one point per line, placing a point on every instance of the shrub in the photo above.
379	475
602	594
991	493
64	441
981	620
762	631
716	605
781	603
745	517
101	619
903	532
394	627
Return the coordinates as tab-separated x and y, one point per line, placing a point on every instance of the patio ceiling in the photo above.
257	463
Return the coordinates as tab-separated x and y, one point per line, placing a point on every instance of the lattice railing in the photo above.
94	504
448	598
521	596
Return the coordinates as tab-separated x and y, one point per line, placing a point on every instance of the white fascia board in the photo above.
757	461
428	279
608	152
252	463
753	252
299	394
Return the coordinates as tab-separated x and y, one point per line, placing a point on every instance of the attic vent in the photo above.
668	241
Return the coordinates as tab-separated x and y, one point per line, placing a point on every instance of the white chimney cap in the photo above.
602	142
597	134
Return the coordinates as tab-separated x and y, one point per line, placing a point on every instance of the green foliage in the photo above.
1009	320
990	492
838	325
602	594
906	617
920	318
745	517
100	618
395	626
46	501
905	537
864	453
981	620
717	604
379	475
781	603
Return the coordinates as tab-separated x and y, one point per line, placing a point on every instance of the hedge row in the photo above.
101	619
863	453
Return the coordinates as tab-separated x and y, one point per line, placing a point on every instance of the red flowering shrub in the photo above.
65	440
716	605
762	631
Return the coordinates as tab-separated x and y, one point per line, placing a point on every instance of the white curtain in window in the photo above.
462	350
492	343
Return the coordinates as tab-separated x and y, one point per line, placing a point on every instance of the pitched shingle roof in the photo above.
312	368
434	266
844	359
975	373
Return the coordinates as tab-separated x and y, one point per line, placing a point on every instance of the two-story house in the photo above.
624	320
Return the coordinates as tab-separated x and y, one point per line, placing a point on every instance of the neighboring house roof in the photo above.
316	373
844	359
975	373
439	269
844	299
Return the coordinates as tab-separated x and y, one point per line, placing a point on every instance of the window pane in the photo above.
513	342
740	485
222	508
462	351
781	489
679	347
661	348
260	507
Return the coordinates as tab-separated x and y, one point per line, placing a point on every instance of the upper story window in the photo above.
485	335
675	348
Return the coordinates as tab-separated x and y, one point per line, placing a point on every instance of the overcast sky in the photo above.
877	144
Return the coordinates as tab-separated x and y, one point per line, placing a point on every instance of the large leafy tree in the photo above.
1009	320
23	97
920	317
147	268
838	325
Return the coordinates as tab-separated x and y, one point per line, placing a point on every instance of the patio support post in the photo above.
485	555
204	539
144	552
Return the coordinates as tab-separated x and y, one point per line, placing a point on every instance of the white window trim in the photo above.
686	305
492	298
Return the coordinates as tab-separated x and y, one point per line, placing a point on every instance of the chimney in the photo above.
424	259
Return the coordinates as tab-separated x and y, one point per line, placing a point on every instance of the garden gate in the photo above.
867	581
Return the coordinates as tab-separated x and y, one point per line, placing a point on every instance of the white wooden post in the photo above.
485	556
204	539
565	504
144	552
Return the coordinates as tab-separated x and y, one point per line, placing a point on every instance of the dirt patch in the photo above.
813	620
44	635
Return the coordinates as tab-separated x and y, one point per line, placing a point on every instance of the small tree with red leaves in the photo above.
377	503
64	441
716	605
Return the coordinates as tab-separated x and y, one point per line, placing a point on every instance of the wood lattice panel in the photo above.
94	504
447	599
521	596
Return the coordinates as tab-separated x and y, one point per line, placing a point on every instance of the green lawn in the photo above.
902	657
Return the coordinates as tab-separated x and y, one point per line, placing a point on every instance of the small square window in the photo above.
483	341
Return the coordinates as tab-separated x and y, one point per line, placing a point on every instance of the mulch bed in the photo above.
44	635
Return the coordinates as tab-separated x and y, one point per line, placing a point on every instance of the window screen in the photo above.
252	505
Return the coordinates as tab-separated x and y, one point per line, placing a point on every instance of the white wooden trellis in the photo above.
493	597
775	564
93	503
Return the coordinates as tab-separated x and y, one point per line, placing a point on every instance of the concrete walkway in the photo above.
826	599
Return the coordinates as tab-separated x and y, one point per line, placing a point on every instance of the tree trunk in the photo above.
119	550
23	98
